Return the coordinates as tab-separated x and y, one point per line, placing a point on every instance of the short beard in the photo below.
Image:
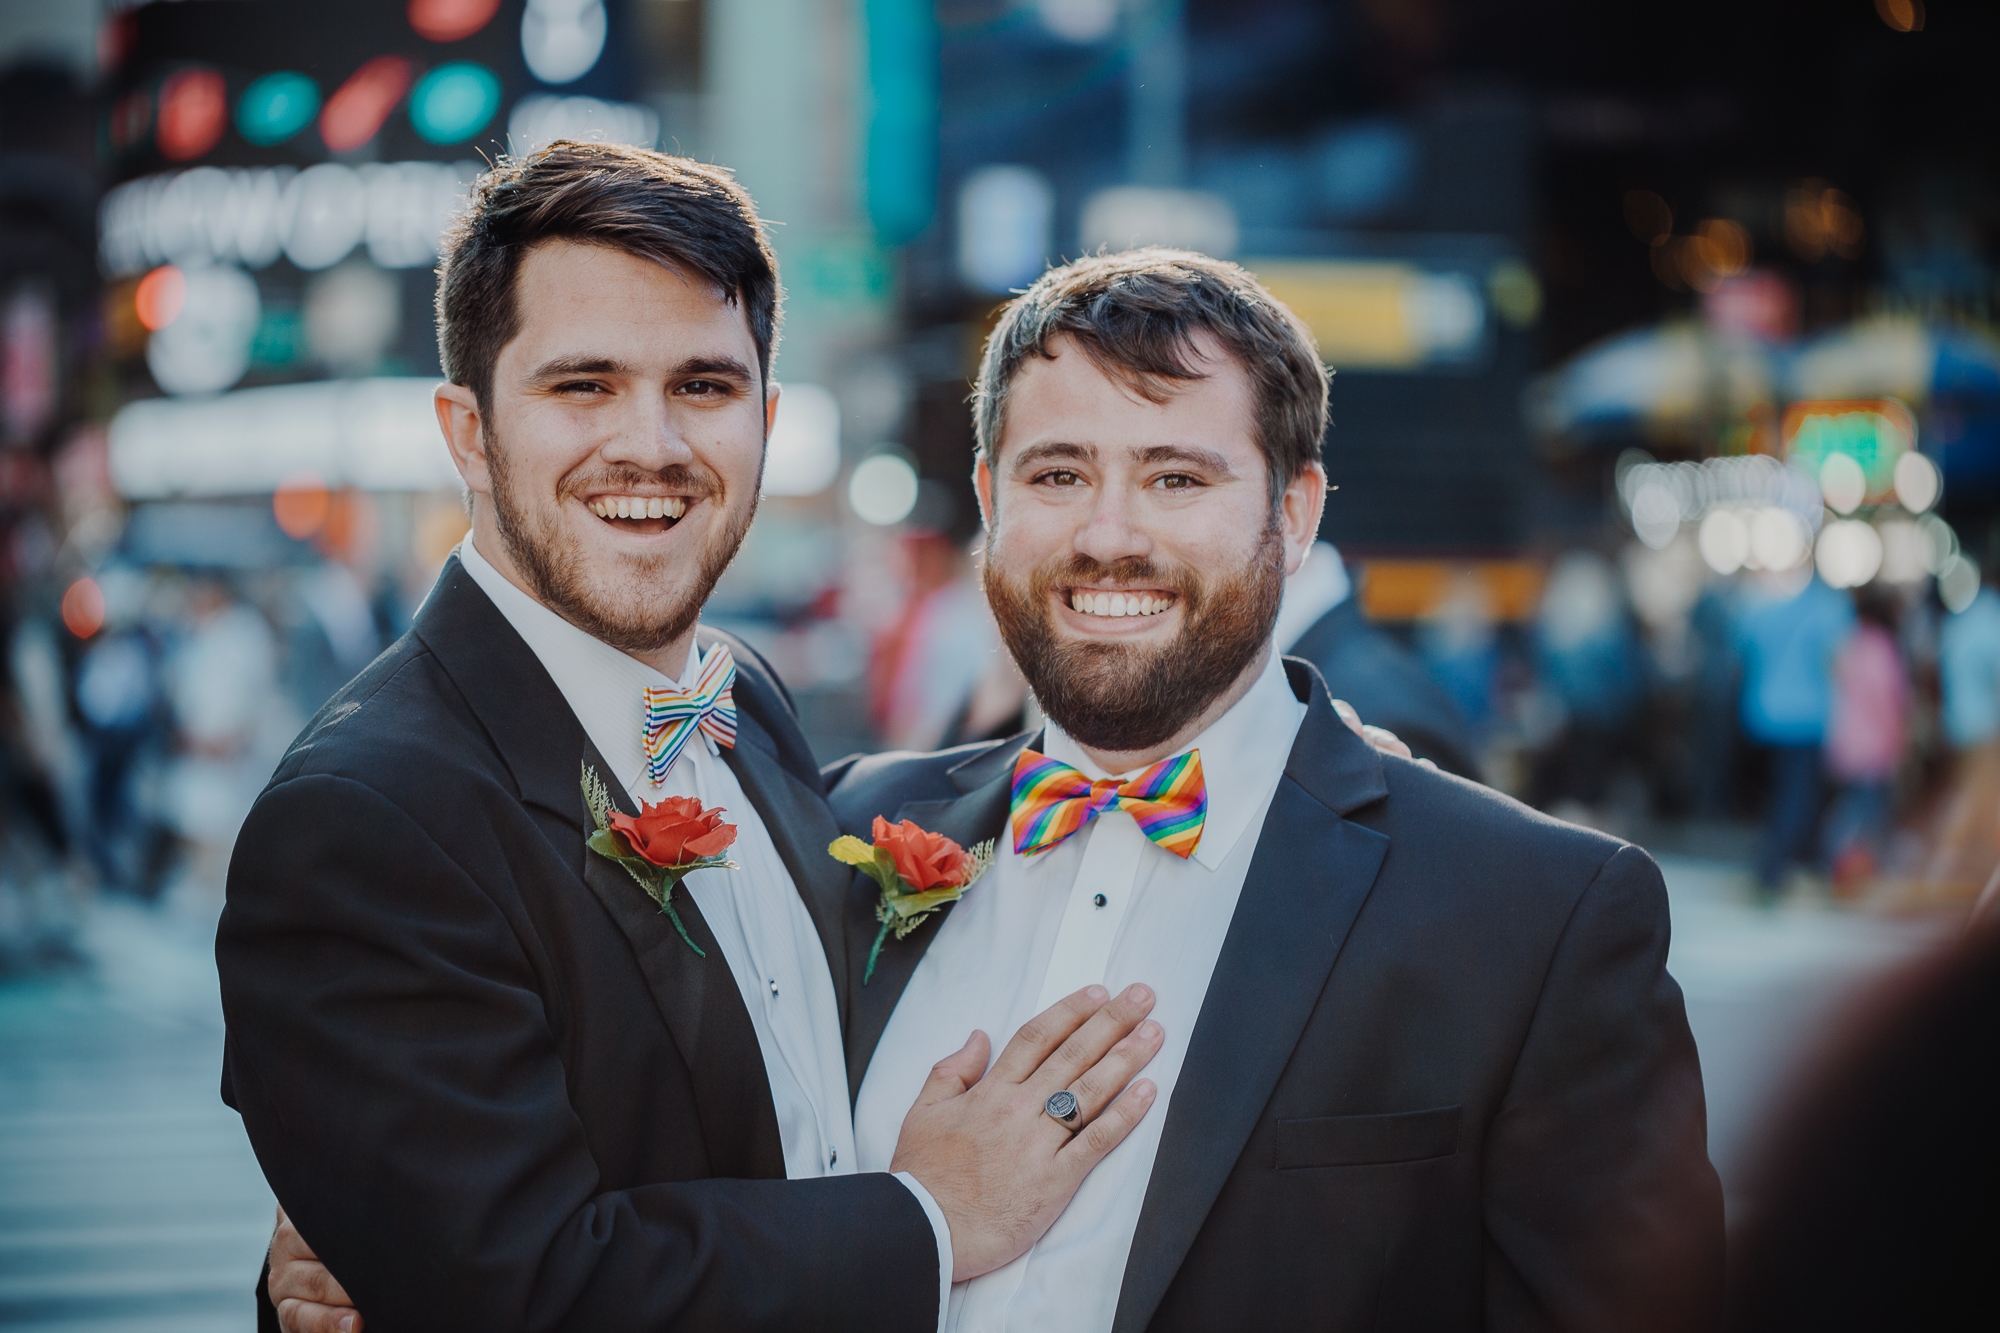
555	567
1120	698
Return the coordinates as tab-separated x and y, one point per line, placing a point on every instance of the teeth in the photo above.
639	506
1118	603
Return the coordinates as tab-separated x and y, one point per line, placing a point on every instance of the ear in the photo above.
1299	513
464	434
982	485
770	407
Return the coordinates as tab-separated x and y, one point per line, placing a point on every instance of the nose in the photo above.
647	435
1111	530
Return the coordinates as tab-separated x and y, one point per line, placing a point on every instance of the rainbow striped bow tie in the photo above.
1051	800
674	715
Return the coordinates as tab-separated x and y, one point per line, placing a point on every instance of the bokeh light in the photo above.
1958	584
451	20
1724	539
1917	482
301	505
1848	553
1906	552
83	608
1843	483
1656	514
276	107
1778	539
194	108
159	297
454	102
883	490
357	109
562	39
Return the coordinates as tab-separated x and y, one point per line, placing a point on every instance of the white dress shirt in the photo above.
1030	932
767	938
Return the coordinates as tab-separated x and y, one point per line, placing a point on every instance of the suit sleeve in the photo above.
399	1079
1602	1211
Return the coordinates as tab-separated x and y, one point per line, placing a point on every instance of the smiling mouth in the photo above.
640	513
1115	605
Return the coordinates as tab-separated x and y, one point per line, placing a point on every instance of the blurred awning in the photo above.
1666	376
372	434
1899	357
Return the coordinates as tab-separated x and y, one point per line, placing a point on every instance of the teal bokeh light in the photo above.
276	107
453	102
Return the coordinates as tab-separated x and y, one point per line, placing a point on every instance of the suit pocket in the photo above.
1367	1140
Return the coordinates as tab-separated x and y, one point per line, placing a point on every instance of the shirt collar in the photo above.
604	687
1243	754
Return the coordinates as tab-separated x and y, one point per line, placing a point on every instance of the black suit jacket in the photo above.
1441	1079
481	1071
1388	685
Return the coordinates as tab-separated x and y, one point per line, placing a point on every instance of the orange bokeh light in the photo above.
159	297
83	608
194	108
451	20
355	112
301	506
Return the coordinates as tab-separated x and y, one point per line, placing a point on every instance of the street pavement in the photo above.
130	1200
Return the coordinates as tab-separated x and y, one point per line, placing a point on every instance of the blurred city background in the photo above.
1666	432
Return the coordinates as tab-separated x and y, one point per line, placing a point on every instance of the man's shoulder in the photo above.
863	786
402	720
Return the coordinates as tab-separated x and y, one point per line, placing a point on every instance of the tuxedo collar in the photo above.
1329	765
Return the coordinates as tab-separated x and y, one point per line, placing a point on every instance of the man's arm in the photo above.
398	1076
1602	1210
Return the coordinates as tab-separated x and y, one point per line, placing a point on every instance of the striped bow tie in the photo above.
1169	801
674	715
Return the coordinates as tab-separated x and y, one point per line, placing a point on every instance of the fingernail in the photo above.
347	1323
1097	994
1144	1091
1138	994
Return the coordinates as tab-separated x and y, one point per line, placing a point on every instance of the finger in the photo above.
1096	1086
306	1280
951	1076
1428	764
306	1317
1386	741
1043	1033
1089	1145
1350	717
1088	1044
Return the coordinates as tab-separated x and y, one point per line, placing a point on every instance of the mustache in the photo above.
1077	568
691	480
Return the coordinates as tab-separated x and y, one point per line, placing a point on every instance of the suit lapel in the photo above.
977	814
545	748
1281	947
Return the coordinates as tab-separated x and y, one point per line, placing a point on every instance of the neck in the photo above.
669	660
1120	762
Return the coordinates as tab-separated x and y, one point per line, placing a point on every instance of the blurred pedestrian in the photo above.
1788	631
1865	738
1321	620
1967	846
1589	666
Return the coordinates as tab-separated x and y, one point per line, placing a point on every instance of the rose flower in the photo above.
675	832
925	860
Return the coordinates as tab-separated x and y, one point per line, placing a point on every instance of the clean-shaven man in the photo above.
1423	1065
487	1076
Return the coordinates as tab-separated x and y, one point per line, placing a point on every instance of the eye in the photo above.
1060	477
585	387
1177	481
706	389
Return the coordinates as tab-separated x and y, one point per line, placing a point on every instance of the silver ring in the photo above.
1062	1106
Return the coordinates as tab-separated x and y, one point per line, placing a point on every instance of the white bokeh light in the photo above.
1656	514
1917	482
1842	483
1778	539
1078	21
1848	553
802	456
207	347
1958	584
562	39
1724	540
883	490
1906	552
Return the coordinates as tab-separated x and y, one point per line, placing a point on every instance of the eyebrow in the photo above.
1208	460
604	365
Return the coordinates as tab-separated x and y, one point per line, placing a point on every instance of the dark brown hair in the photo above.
671	210
1136	315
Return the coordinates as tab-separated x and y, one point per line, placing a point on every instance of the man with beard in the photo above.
500	1079
1423	1067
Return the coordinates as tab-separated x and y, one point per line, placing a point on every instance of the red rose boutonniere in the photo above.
919	872
661	846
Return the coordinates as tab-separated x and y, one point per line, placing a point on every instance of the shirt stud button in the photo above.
833	1157
1099	900
774	986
